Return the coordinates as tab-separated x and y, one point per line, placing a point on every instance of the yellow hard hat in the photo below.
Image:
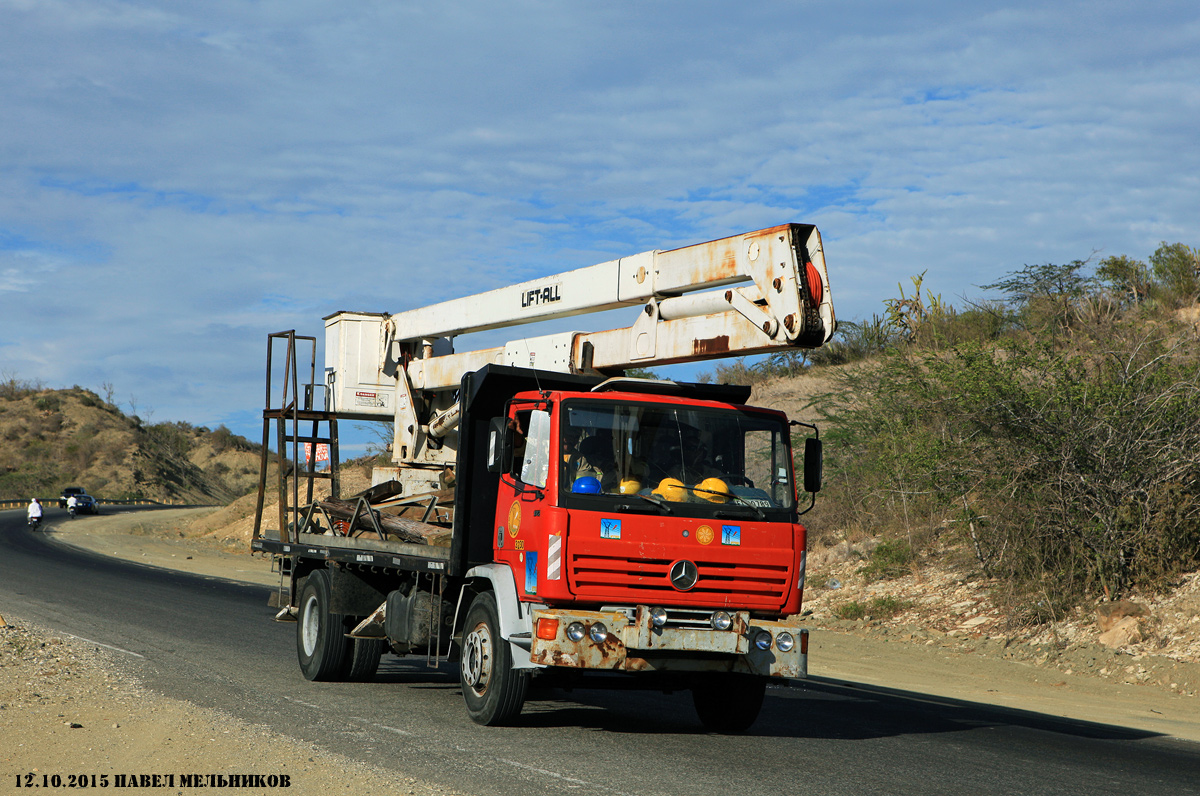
714	490
671	489
630	486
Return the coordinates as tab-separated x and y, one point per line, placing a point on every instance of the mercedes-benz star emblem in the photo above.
683	575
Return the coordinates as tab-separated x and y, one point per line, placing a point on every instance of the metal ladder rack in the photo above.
286	412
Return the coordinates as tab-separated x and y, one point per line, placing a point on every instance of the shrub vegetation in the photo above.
1054	433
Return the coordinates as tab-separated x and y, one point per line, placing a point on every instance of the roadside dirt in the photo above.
65	706
66	711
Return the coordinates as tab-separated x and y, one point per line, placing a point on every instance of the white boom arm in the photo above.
753	293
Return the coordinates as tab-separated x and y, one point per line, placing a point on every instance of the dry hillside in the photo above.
57	438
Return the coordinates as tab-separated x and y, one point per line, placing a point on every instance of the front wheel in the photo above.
493	690
729	703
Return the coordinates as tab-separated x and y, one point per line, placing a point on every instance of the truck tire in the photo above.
362	659
320	636
729	703
493	690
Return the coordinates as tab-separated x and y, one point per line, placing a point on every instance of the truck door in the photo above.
525	515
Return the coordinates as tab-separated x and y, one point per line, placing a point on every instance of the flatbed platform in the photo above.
351	550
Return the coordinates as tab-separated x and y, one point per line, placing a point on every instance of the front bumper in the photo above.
634	644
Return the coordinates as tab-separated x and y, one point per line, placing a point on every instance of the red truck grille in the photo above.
610	576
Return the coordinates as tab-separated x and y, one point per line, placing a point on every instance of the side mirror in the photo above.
499	445
812	464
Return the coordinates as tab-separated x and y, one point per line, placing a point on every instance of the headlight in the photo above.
762	640
658	616
598	632
721	620
575	631
784	642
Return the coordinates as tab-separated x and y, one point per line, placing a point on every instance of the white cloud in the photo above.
206	173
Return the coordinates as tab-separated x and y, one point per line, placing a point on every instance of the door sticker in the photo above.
514	519
531	573
610	529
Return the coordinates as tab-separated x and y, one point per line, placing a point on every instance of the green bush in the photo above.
883	607
891	558
1176	270
1078	462
852	611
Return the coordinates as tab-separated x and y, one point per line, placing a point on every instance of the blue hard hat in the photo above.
587	485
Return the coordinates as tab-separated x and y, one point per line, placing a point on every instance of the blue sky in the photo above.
179	179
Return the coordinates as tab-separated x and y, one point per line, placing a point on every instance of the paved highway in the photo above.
212	642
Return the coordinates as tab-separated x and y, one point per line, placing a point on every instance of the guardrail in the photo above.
20	504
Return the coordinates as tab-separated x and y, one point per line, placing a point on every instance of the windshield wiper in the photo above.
758	512
657	501
741	500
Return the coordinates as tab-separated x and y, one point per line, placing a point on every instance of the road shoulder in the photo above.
157	538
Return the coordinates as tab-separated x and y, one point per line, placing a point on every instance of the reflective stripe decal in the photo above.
554	559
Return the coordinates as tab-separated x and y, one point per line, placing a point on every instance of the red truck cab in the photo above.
650	513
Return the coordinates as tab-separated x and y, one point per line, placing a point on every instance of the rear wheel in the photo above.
493	690
320	636
729	703
363	658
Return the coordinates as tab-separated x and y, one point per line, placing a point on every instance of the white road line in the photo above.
107	646
396	730
554	775
562	777
305	704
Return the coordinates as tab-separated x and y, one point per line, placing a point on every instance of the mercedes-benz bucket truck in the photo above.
543	516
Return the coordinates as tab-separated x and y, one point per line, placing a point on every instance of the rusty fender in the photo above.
636	645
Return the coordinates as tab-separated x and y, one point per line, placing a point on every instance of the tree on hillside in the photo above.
1126	276
1177	268
1049	295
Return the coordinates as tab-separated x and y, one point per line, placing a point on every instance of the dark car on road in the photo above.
84	503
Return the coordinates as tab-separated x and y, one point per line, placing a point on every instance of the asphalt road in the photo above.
212	642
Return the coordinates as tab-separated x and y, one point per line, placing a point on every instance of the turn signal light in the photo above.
547	628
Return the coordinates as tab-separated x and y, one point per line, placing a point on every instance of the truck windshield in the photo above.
687	460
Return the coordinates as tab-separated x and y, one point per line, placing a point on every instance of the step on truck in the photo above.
545	517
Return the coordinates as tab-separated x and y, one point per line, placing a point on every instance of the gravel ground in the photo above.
66	710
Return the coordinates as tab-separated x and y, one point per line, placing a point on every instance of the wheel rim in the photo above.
477	659
310	625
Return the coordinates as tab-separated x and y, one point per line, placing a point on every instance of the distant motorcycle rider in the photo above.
71	504
35	512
